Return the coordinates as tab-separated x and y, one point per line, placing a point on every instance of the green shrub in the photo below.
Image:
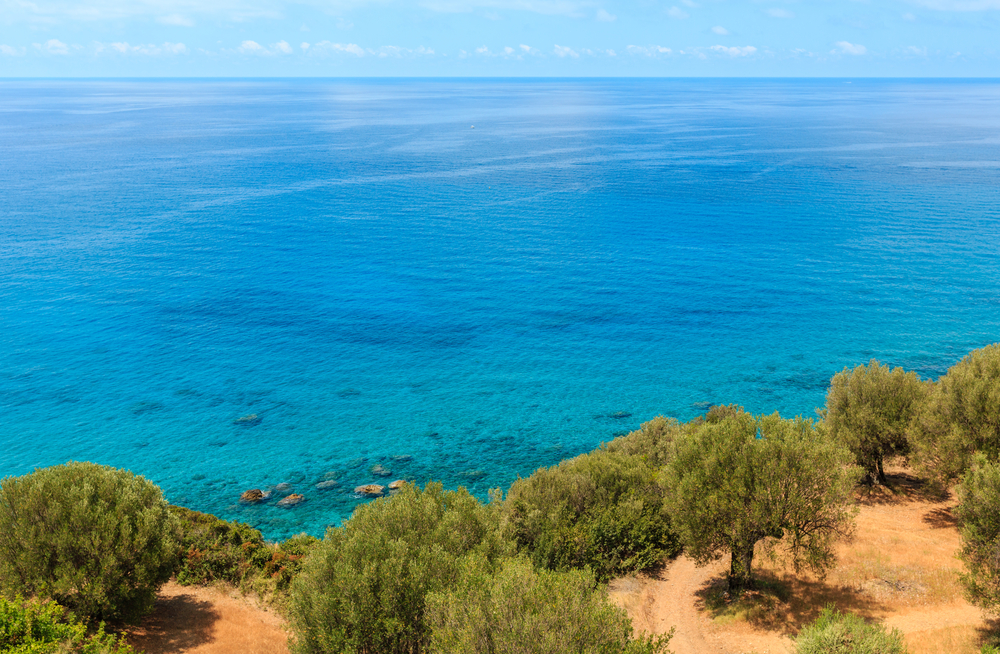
46	628
652	442
212	549
95	539
979	512
961	416
870	409
363	589
603	510
740	481
519	610
845	633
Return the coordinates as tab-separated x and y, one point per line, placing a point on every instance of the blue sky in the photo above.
954	38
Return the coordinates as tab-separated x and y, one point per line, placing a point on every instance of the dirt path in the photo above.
197	620
900	569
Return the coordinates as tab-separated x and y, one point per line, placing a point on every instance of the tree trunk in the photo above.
881	472
739	568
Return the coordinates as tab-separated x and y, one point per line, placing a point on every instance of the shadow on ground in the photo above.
177	623
781	602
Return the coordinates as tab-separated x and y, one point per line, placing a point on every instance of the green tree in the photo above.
517	609
98	540
961	416
979	512
846	633
870	409
603	510
739	481
363	589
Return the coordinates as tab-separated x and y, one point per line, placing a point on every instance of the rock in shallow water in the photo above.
252	496
381	471
291	500
328	484
396	485
370	490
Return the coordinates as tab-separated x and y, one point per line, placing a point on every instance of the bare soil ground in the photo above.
216	620
899	569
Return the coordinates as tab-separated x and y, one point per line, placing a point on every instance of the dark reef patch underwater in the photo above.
225	285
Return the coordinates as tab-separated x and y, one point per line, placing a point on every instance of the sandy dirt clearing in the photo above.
199	620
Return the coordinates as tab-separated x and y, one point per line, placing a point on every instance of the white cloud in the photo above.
720	30
605	17
612	53
304	45
526	48
251	47
11	52
846	47
483	50
344	24
678	13
149	49
776	12
909	17
53	46
914	51
350	48
283	47
508	51
565	51
648	51
574	8
745	51
178	20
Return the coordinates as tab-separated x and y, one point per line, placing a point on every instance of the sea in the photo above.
311	285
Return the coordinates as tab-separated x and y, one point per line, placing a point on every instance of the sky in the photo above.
481	38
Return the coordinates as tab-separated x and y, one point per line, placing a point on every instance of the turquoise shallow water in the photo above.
380	283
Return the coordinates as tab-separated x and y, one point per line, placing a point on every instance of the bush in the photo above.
46	628
652	442
737	481
97	540
518	610
979	511
215	549
364	588
845	633
603	510
869	409
961	416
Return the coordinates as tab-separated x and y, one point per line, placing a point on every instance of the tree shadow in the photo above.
177	623
941	518
782	602
989	633
901	487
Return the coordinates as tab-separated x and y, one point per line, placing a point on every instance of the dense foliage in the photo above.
979	512
96	539
845	633
520	610
652	442
213	549
961	416
737	481
869	409
363	589
603	510
46	628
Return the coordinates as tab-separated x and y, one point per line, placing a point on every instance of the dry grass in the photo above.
900	569
198	620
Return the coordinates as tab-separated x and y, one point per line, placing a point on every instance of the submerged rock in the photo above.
370	490
402	457
248	421
619	415
283	486
380	470
329	483
292	500
252	496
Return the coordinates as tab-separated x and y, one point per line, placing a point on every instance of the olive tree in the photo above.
979	511
96	539
869	409
738	481
961	416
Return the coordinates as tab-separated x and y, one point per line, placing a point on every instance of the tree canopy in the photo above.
870	409
740	480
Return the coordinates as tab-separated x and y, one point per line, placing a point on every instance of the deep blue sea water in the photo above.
376	279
